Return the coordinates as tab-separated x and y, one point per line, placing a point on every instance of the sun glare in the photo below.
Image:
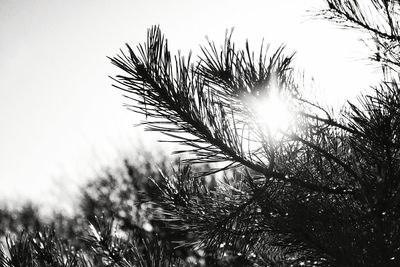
273	113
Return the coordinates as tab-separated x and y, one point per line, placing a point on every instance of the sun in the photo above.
272	112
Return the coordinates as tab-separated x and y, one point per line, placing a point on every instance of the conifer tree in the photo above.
320	191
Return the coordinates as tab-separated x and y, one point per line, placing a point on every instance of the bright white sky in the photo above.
60	119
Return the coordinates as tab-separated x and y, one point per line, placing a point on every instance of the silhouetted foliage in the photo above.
15	221
116	203
323	192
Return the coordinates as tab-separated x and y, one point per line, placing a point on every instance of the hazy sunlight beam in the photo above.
272	112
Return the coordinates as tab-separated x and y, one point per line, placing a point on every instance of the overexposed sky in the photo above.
60	119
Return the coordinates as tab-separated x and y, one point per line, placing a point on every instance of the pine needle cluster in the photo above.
323	192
